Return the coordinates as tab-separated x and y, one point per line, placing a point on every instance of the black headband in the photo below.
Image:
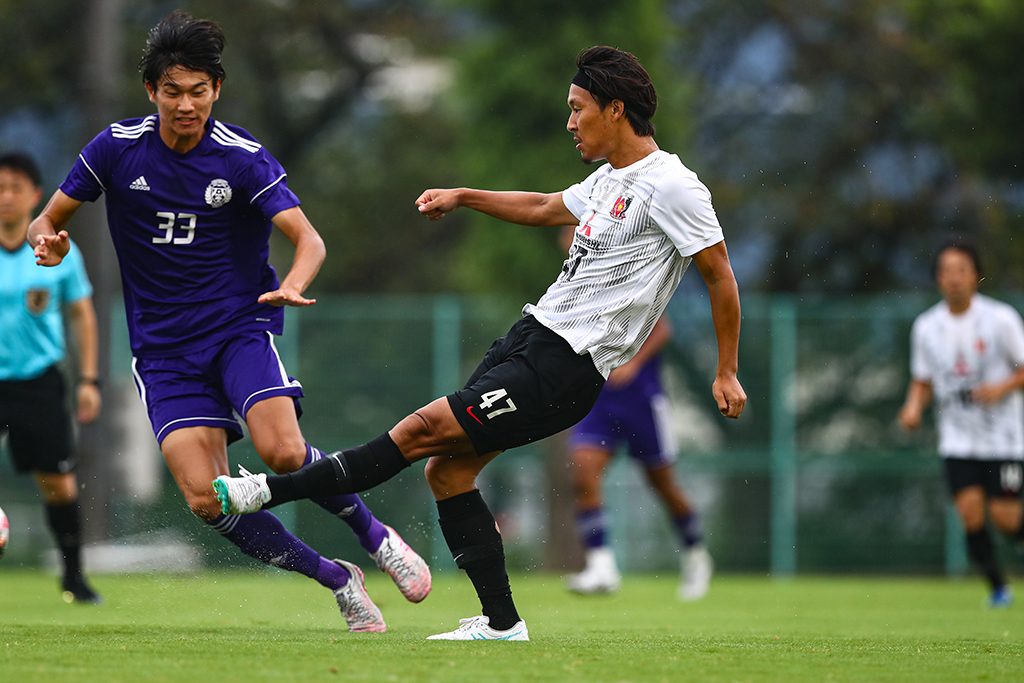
583	80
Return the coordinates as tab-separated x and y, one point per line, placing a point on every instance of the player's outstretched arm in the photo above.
713	264
523	208
309	256
46	233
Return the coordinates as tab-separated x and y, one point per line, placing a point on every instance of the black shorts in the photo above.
999	478
530	385
34	415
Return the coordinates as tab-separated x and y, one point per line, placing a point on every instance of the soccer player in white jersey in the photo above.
967	352
641	218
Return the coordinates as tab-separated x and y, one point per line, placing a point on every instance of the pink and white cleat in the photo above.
361	615
407	569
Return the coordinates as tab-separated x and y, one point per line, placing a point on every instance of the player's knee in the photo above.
446	479
284	455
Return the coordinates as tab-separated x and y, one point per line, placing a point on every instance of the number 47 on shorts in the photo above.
491	398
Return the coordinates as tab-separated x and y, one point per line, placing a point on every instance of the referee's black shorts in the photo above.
35	416
530	385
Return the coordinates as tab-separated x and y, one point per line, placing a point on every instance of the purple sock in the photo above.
262	536
688	528
352	510
592	527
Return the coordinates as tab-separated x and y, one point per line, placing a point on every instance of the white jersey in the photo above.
955	353
638	228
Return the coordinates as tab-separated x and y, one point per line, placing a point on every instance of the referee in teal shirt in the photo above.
33	412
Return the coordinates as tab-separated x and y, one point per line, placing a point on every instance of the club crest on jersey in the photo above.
218	193
618	211
36	300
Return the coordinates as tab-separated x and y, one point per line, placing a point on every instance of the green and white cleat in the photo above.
477	628
242	495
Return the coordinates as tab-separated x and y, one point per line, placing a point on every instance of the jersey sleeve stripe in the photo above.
225	136
279	179
86	164
131	132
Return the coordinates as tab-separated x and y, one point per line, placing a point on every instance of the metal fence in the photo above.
815	477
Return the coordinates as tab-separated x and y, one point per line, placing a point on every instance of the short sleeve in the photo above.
267	183
75	282
1012	337
919	369
577	196
681	207
88	177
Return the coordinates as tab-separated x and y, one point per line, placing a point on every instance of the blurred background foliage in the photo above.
841	139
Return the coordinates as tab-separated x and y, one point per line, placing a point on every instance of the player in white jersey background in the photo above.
641	218
967	354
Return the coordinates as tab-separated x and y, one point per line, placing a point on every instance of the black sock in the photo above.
67	531
349	471
981	550
473	538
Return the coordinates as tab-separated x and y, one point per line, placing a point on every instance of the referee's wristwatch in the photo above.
95	381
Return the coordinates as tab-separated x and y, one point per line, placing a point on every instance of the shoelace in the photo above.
250	486
467	624
354	605
392	557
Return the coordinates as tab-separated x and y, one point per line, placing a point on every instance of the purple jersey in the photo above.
637	414
191	231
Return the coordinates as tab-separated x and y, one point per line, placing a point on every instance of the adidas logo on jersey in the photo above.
139	184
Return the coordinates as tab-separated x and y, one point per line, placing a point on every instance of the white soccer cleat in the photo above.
361	615
695	575
407	569
477	628
241	495
601	574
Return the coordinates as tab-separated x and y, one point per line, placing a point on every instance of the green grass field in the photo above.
225	627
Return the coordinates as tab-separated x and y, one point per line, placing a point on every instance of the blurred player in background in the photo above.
33	411
967	352
641	219
191	203
632	410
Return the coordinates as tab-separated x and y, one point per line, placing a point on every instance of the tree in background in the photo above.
515	66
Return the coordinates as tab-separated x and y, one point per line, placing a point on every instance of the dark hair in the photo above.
182	40
16	161
964	247
617	75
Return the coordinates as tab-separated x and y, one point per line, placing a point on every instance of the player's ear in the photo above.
216	90
151	93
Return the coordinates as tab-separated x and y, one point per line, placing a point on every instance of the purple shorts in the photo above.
208	387
636	415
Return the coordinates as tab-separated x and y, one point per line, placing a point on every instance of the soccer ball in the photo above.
5	532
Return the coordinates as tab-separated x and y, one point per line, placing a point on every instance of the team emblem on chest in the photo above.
618	211
218	193
36	300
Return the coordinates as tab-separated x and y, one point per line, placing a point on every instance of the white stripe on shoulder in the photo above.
226	137
279	179
133	132
86	163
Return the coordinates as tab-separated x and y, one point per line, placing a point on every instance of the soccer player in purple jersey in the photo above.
633	410
191	203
